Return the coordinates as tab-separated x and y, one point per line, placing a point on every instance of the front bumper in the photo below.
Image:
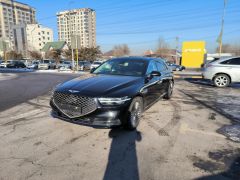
102	117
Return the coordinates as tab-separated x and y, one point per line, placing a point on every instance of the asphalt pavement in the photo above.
16	88
177	139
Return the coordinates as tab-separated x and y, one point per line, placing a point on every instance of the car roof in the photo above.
138	58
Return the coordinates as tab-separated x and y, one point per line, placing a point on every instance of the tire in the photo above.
134	113
221	80
169	90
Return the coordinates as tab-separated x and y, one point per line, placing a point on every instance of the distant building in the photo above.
77	27
4	46
20	38
57	45
148	53
14	13
38	36
31	37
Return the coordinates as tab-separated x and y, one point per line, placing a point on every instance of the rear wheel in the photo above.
134	113
221	80
169	91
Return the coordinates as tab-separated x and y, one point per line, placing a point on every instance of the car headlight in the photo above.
113	101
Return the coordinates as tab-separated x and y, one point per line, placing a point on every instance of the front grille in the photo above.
73	105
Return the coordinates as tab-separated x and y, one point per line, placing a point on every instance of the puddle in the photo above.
232	132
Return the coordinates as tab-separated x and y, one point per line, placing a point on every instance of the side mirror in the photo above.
92	70
155	73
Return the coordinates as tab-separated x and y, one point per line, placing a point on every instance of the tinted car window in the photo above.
161	66
235	61
152	67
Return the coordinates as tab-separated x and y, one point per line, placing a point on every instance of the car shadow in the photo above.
122	160
232	173
208	83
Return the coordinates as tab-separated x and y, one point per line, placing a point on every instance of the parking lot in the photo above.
183	138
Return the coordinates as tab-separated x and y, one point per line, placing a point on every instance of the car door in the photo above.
233	68
165	75
153	84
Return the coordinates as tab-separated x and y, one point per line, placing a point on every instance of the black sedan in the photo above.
116	93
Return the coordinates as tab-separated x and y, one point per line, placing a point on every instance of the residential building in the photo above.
14	13
31	37
4	46
77	27
38	36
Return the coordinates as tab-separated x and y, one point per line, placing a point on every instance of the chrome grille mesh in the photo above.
73	105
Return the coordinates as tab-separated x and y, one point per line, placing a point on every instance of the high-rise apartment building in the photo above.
14	13
77	27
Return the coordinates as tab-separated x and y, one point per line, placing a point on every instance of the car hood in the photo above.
101	85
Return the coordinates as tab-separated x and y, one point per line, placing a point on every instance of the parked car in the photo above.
4	64
33	65
175	67
115	94
65	65
84	65
47	64
223	71
16	64
95	64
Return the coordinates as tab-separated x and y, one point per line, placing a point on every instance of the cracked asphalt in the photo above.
176	139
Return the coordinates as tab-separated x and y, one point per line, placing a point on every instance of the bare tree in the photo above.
228	48
121	50
163	48
13	55
89	54
67	53
54	54
35	55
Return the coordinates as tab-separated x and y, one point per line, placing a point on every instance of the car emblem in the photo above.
73	91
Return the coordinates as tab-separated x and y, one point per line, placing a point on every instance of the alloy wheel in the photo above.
135	114
221	81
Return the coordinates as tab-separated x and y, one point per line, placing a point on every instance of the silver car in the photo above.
223	71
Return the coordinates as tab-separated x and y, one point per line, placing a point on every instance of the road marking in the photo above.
184	128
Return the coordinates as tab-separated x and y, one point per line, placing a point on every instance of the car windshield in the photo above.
97	63
46	61
66	62
125	67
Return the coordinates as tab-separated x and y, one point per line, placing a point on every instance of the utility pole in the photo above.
222	29
177	41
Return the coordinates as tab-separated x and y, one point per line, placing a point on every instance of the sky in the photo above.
141	23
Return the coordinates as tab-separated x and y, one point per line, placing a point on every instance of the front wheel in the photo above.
134	113
169	92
